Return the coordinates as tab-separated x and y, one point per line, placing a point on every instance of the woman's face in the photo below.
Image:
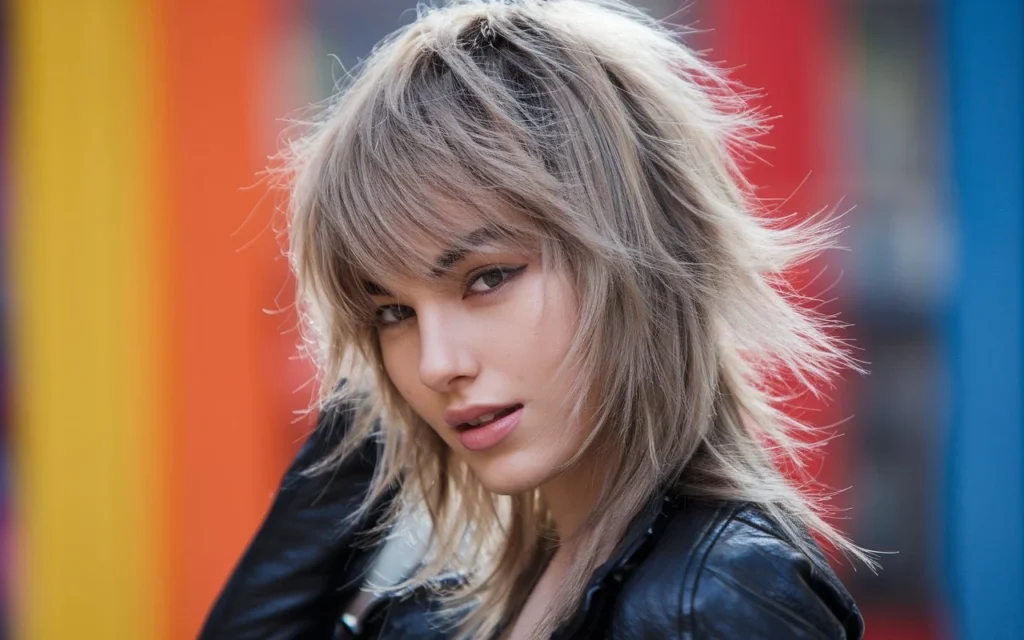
475	348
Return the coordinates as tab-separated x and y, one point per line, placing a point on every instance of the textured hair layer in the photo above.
587	131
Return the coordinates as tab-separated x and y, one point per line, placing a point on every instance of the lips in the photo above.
471	416
487	418
488	435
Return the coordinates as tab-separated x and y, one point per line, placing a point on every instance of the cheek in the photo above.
400	363
561	329
557	325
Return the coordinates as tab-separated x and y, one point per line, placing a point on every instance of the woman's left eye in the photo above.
494	278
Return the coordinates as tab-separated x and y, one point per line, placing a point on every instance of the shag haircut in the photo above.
587	132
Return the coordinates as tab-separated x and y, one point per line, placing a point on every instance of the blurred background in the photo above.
149	379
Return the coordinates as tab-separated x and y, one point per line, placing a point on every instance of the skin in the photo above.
492	328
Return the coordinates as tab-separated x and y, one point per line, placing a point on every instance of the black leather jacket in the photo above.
686	569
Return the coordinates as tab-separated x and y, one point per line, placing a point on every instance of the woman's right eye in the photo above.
392	314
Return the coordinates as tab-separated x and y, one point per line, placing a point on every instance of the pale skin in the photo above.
492	328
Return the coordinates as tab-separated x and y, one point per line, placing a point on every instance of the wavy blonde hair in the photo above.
587	131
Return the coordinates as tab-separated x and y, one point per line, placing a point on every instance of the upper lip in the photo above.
459	416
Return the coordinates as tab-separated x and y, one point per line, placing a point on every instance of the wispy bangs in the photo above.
414	175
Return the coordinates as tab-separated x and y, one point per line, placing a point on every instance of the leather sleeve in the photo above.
753	585
723	571
302	566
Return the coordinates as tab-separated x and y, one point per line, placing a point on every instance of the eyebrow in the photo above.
451	256
445	260
374	289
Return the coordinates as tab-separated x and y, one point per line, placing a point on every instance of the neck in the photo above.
571	496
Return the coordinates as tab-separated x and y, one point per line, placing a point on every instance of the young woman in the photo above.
522	236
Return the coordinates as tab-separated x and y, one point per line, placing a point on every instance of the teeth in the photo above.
487	417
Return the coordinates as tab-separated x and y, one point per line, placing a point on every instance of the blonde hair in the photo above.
588	131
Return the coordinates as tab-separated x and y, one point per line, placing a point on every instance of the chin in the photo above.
507	486
511	476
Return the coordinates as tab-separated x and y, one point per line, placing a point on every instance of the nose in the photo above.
446	356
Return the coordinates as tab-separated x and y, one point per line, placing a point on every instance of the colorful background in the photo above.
149	379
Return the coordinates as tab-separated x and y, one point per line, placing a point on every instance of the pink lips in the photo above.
490	434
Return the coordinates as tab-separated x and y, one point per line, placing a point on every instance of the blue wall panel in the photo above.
985	500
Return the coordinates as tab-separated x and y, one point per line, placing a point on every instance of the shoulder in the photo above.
725	570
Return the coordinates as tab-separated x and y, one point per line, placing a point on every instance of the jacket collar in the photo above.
644	530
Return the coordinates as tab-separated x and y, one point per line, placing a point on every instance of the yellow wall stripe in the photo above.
84	330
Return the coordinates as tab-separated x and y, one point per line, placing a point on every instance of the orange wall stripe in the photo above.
229	439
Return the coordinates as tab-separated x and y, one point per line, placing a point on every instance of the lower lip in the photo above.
489	435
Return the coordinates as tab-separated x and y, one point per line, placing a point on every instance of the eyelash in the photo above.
508	273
